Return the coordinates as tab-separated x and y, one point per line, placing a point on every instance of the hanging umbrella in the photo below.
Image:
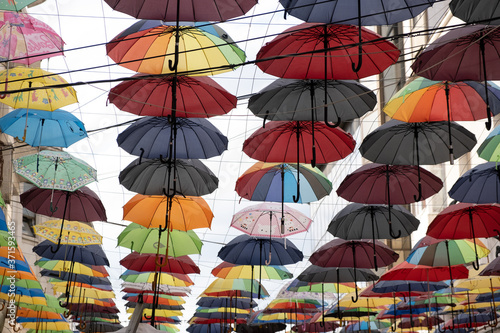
472	11
81	205
357	221
294	53
329	288
314	326
318	274
275	182
48	99
196	138
147	262
411	272
227	270
466	221
74	233
144	240
286	141
398	143
15	5
493	268
64	266
58	128
489	149
241	303
151	177
55	170
20	31
89	255
407	288
478	185
465	53
235	284
287	99
185	213
148	47
167	10
168	279
270	219
196	97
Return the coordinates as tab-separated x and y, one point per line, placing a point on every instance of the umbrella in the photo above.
152	177
64	266
227	270
211	302
293	54
466	221
275	181
196	97
489	149
147	262
411	272
27	40
74	233
48	99
56	170
465	53
270	219
169	279
58	128
144	240
314	326
472	11
88	255
287	99
81	205
184	213
148	47
209	328
493	268
357	221
235	284
286	141
478	185
15	5
398	143
168	10
196	138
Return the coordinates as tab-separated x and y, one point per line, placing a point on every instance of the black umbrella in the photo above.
88	255
476	11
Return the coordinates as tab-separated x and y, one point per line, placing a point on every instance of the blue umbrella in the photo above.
88	255
57	128
398	286
226	302
193	138
66	276
480	184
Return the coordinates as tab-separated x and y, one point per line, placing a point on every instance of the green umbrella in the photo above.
55	170
144	240
490	148
14	5
52	305
6	239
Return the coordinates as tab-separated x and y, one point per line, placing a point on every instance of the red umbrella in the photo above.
81	205
286	141
407	271
466	53
297	53
313	325
146	262
199	97
463	221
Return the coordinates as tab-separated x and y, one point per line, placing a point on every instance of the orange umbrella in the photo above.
185	213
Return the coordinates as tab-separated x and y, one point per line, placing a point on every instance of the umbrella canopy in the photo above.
195	97
169	279
293	54
480	185
89	255
166	10
287	99
147	262
357	221
490	148
236	284
196	138
348	12
247	250
148	45
471	11
493	268
19	32
74	233
317	274
375	183
289	141
49	99
64	266
153	177
268	219
144	240
211	302
58	128
407	271
276	182
398	143
423	100
81	205
227	270
15	5
407	288
185	213
316	326
55	170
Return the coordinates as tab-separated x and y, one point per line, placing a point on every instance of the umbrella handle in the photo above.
495	320
142	154
356	68
172	65
58	246
66	313
268	262
391	231
419	193
475	263
313	161
63	304
393	326
52	208
355	299
83	325
266	116
439	328
16	330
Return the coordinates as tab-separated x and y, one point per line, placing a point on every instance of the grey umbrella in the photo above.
151	177
476	11
287	99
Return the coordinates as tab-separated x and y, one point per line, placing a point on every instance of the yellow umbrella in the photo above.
235	284
74	233
157	278
24	299
368	302
225	310
158	312
49	99
282	316
479	284
65	265
88	292
50	326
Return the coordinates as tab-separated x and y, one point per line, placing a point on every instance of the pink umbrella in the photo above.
267	219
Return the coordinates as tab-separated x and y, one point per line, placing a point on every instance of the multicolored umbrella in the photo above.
235	284
74	233
148	46
56	128
490	149
147	262
48	99
196	97
227	270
